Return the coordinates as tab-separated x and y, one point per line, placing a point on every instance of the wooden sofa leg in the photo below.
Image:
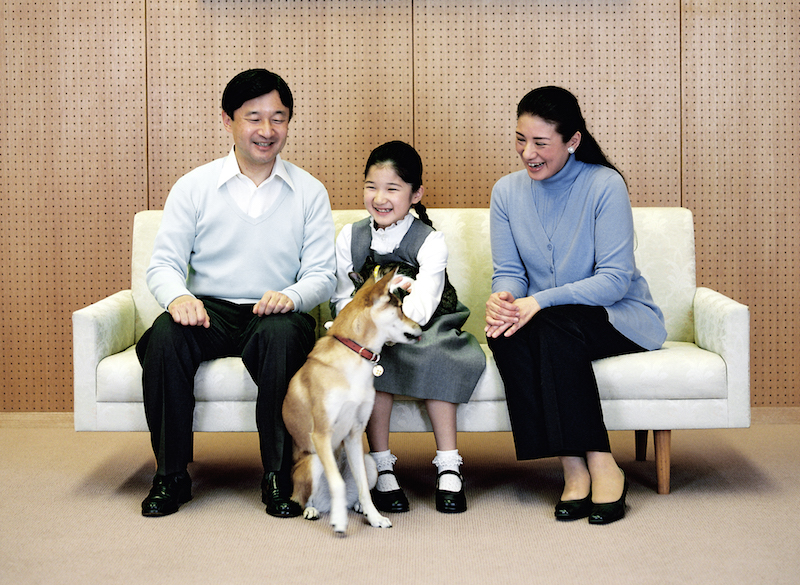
661	441
641	445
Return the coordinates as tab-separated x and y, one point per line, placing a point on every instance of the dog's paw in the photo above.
339	522
378	521
311	513
358	508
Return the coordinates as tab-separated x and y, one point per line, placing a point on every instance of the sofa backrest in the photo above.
145	226
664	253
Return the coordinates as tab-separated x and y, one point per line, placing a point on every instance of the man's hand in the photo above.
273	302
188	310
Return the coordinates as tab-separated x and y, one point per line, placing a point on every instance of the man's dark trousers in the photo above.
273	348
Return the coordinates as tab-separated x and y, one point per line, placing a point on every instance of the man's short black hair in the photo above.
251	84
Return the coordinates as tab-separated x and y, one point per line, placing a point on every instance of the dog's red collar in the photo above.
362	351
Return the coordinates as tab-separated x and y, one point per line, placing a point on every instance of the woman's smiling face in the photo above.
541	148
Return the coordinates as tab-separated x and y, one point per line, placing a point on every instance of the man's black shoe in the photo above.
167	494
276	495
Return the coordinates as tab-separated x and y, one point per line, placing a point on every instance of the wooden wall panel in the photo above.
346	61
72	172
741	120
474	60
108	102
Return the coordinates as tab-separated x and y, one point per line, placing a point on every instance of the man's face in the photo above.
259	128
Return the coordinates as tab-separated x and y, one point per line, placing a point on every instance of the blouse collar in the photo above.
386	240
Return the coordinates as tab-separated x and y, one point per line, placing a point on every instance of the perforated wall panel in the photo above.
474	61
73	170
741	78
347	62
108	102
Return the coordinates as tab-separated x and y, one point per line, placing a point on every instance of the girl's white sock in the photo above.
384	461
448	461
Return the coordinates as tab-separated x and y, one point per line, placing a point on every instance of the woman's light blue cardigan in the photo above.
569	240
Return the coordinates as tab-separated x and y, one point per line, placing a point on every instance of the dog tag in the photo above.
377	371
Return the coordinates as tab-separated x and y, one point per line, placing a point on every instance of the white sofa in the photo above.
699	379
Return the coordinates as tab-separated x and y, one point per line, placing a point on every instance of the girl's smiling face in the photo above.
387	197
541	148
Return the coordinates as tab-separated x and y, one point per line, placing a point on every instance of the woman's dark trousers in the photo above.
551	391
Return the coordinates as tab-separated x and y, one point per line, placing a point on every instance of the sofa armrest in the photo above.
722	325
98	331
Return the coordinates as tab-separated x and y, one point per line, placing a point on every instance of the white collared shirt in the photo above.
252	199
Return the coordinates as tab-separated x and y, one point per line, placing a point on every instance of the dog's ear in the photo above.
383	287
400	293
357	279
386	279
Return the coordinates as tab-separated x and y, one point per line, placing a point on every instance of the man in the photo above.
245	248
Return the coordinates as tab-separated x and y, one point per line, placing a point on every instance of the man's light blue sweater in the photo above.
569	240
207	246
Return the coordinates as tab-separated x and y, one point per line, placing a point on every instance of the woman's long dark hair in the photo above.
559	107
407	163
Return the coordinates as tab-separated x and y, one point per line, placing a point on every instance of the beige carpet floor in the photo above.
70	513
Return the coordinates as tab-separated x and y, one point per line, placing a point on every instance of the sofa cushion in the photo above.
119	379
678	371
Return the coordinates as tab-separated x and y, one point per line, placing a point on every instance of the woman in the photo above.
565	291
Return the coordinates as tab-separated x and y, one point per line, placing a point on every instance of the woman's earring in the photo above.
571	150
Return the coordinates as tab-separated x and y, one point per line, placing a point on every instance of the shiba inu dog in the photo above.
330	400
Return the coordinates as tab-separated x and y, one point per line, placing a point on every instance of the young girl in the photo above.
443	368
